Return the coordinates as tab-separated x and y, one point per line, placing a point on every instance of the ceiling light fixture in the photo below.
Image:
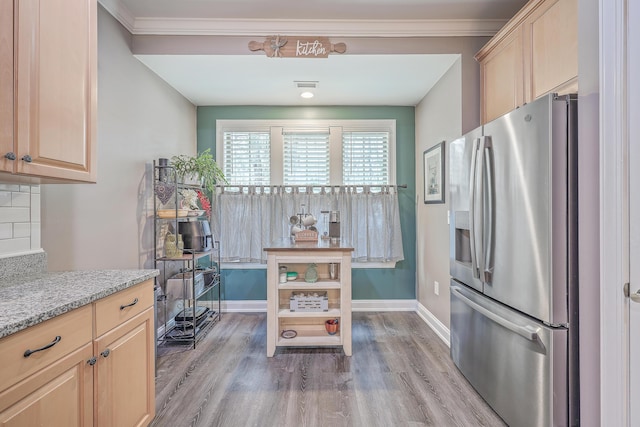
306	88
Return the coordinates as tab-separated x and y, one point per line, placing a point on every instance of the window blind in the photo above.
365	158
247	158
306	158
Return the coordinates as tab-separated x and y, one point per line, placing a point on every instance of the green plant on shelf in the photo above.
203	166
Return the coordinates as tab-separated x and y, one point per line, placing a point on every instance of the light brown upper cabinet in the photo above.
534	54
48	58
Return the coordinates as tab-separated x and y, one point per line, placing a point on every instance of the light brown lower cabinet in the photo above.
125	381
58	395
62	373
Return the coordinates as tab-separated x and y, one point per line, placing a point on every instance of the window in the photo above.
365	158
307	152
306	158
246	158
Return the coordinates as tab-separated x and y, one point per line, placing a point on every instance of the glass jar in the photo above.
282	274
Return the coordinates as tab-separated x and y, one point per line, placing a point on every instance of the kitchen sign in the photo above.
297	47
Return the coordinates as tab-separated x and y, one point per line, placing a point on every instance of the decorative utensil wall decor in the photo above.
297	47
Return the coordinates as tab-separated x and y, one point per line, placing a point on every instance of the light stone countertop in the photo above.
28	300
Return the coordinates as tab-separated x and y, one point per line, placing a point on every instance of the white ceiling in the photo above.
343	79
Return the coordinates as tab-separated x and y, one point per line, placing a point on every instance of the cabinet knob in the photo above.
92	361
10	155
27	158
105	353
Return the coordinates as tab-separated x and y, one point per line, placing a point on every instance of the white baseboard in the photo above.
260	306
383	305
244	306
438	327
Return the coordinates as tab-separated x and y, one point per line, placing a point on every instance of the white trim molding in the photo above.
614	328
383	305
310	27
438	327
303	27
247	306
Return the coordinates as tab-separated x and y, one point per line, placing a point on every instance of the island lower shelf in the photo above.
310	331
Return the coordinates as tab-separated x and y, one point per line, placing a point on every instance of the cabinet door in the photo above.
125	383
551	39
6	84
56	88
60	395
501	78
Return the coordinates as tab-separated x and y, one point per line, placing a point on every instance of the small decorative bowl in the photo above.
292	275
198	212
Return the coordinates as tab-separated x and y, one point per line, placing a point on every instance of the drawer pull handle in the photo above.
55	341
105	353
135	301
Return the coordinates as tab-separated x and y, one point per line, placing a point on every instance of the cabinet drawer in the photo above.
74	330
122	306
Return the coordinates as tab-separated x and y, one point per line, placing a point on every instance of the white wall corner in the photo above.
438	327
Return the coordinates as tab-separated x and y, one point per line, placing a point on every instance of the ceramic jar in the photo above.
311	276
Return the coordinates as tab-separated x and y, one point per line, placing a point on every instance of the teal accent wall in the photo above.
385	284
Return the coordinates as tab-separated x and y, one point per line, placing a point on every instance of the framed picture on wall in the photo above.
433	162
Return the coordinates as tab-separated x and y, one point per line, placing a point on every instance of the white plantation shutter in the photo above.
306	158
365	158
247	159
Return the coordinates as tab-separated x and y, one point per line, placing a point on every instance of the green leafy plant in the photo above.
202	165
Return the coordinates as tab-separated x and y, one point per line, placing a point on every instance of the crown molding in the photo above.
303	27
310	27
119	11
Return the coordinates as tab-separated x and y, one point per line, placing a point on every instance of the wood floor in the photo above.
400	374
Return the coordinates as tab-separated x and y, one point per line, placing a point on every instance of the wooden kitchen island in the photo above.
308	326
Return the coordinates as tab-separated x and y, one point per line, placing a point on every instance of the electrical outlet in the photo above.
436	288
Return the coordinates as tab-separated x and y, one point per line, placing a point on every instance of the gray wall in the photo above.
140	118
438	118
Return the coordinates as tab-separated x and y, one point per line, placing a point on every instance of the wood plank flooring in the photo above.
400	374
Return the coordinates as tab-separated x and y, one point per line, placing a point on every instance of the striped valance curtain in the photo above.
250	219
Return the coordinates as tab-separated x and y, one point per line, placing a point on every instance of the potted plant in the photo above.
203	166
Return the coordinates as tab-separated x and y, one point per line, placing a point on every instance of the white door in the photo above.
633	52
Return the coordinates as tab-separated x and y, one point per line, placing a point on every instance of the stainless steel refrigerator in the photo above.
513	262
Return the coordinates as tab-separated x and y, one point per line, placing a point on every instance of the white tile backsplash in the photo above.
21	229
13	246
10	187
19	218
21	199
5	199
6	231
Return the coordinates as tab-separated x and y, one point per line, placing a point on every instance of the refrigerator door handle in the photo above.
488	255
478	208
528	332
472	208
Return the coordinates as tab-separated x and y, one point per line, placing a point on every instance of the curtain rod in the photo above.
313	186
